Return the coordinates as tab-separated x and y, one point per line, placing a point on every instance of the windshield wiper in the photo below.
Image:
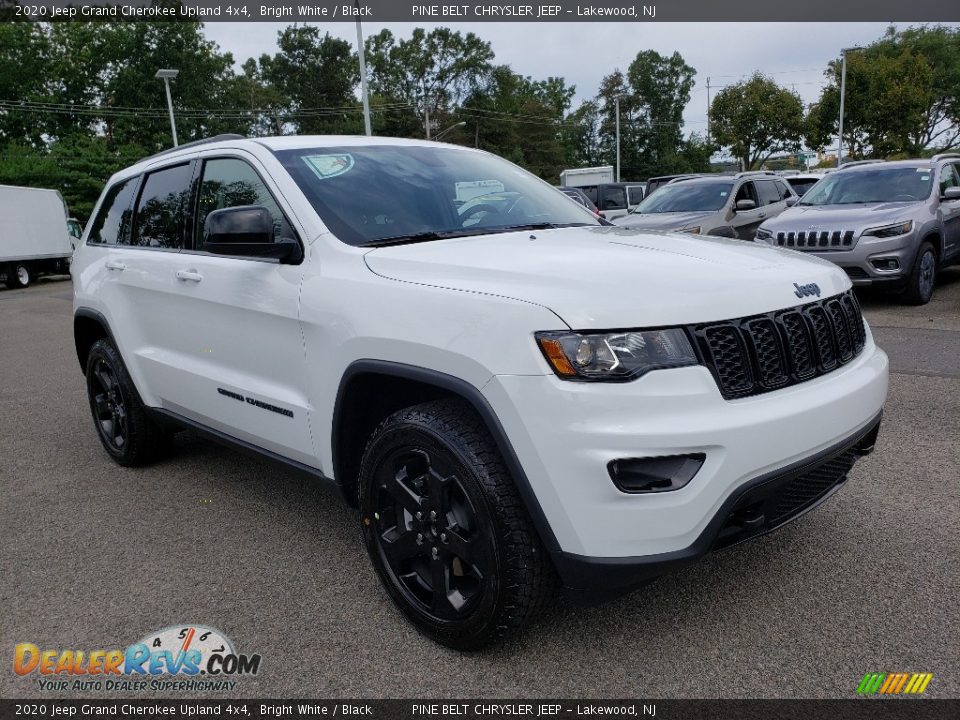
539	226
417	237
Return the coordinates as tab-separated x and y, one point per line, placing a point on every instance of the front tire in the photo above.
923	276
128	434
446	530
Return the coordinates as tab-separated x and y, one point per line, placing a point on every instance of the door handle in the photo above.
189	275
114	265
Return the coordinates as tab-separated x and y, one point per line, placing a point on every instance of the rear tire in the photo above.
446	530
923	276
19	276
126	430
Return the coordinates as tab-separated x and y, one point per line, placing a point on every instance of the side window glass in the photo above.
784	189
746	192
948	178
111	223
768	192
591	191
614	198
157	222
229	182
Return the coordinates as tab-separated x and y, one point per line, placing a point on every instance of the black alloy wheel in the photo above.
428	533
109	405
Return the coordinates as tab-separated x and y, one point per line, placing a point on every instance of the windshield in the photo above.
372	194
899	184
687	196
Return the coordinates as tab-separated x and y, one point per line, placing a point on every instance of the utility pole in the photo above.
616	101
426	110
843	91
363	74
708	112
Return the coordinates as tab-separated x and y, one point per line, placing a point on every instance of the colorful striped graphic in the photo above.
894	683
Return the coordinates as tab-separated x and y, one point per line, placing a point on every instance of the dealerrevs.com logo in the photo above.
179	657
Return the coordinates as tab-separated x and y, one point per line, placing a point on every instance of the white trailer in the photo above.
578	177
34	239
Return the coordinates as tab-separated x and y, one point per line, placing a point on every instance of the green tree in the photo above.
653	94
316	76
24	67
755	119
519	118
430	73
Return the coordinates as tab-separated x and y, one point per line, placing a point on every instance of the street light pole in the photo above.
843	92
363	77
167	76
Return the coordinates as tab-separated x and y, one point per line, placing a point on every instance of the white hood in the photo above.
611	278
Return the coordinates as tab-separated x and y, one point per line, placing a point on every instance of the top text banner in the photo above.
504	11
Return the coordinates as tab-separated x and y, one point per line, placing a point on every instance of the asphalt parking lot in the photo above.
95	556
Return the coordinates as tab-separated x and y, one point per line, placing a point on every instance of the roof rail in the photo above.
854	163
945	156
204	141
746	173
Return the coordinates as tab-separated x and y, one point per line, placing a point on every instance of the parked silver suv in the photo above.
889	224
725	205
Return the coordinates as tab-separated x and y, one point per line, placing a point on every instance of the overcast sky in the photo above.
794	54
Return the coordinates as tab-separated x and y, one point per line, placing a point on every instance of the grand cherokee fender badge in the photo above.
806	290
256	403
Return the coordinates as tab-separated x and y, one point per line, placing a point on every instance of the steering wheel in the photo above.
904	196
482	211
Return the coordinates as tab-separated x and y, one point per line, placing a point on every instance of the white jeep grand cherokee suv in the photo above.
514	394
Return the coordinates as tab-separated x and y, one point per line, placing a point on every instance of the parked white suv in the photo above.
514	395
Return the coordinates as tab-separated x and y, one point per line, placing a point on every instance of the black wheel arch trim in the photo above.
96	316
471	395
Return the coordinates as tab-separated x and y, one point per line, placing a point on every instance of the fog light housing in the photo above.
885	264
654	474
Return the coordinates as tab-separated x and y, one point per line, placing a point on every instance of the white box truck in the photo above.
578	177
34	239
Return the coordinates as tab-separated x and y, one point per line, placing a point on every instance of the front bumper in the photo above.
754	509
565	433
864	263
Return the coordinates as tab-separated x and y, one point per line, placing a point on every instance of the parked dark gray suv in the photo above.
887	224
725	205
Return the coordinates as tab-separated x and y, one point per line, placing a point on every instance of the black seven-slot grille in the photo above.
753	355
822	240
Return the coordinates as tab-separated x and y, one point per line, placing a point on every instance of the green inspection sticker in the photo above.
329	166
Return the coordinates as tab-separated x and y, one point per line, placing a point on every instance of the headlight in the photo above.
763	234
615	356
694	229
886	231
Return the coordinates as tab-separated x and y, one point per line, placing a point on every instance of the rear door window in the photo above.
591	192
634	194
157	223
767	192
112	222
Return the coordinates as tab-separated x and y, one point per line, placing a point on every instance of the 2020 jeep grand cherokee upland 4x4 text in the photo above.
513	394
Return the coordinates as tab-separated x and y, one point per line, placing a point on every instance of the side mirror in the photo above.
745	205
951	193
247	231
792	200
